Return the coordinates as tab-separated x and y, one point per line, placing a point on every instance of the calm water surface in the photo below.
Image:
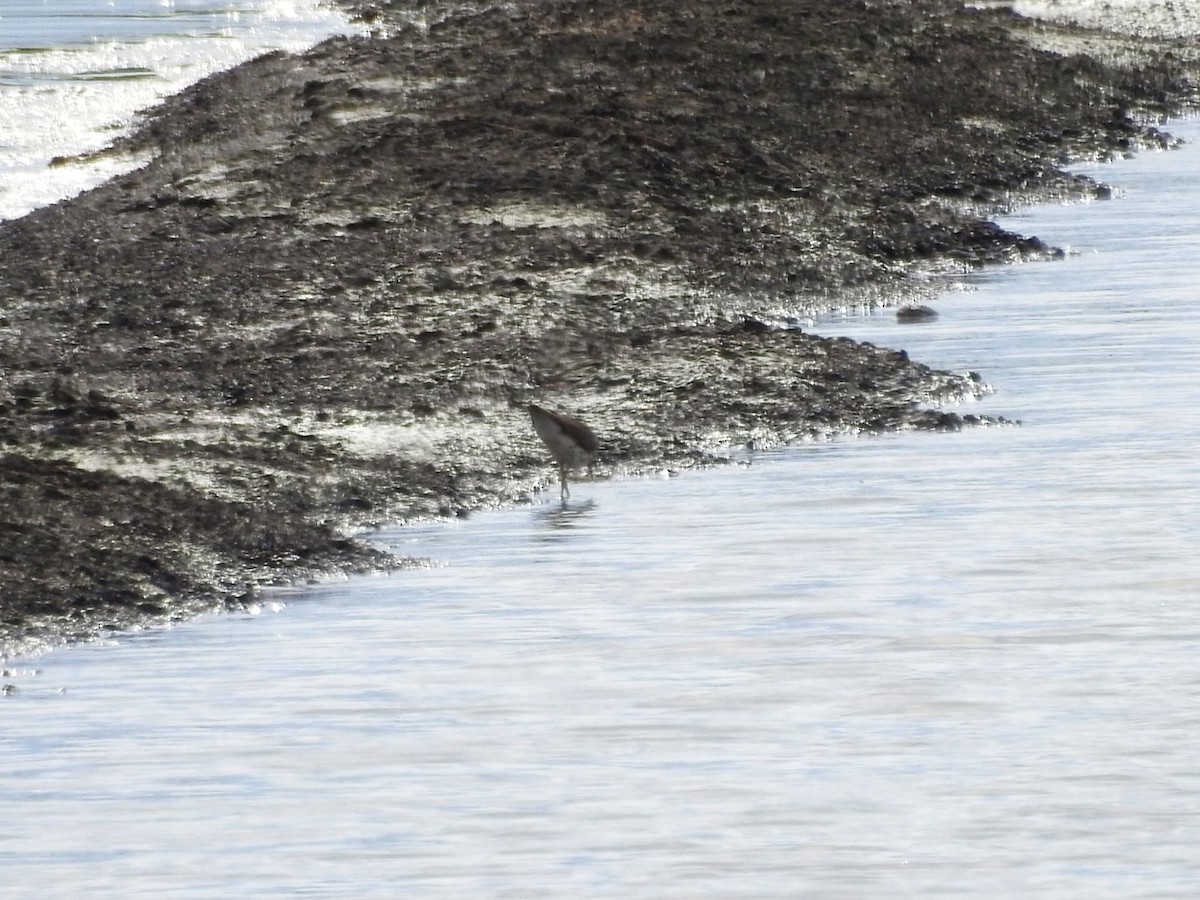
920	665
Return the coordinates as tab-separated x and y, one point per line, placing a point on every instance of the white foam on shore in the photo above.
76	97
1147	18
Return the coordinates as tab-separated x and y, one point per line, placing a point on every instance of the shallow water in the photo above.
923	665
73	74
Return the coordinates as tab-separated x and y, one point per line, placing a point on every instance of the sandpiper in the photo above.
570	441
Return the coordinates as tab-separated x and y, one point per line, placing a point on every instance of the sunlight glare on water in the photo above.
917	665
73	73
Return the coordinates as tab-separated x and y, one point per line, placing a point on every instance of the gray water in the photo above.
920	665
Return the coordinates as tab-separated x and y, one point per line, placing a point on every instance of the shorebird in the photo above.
570	441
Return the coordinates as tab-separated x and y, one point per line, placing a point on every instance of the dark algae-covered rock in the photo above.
331	295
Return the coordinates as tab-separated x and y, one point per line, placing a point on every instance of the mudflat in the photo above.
328	298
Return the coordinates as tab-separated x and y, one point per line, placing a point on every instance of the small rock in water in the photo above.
909	314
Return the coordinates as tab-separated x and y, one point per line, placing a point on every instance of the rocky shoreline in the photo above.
328	298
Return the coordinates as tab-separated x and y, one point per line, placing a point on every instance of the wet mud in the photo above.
329	297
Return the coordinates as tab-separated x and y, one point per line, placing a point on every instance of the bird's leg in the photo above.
562	474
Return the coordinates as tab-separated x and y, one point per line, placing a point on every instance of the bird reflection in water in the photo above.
559	518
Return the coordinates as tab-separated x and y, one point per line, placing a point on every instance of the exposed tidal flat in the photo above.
327	298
